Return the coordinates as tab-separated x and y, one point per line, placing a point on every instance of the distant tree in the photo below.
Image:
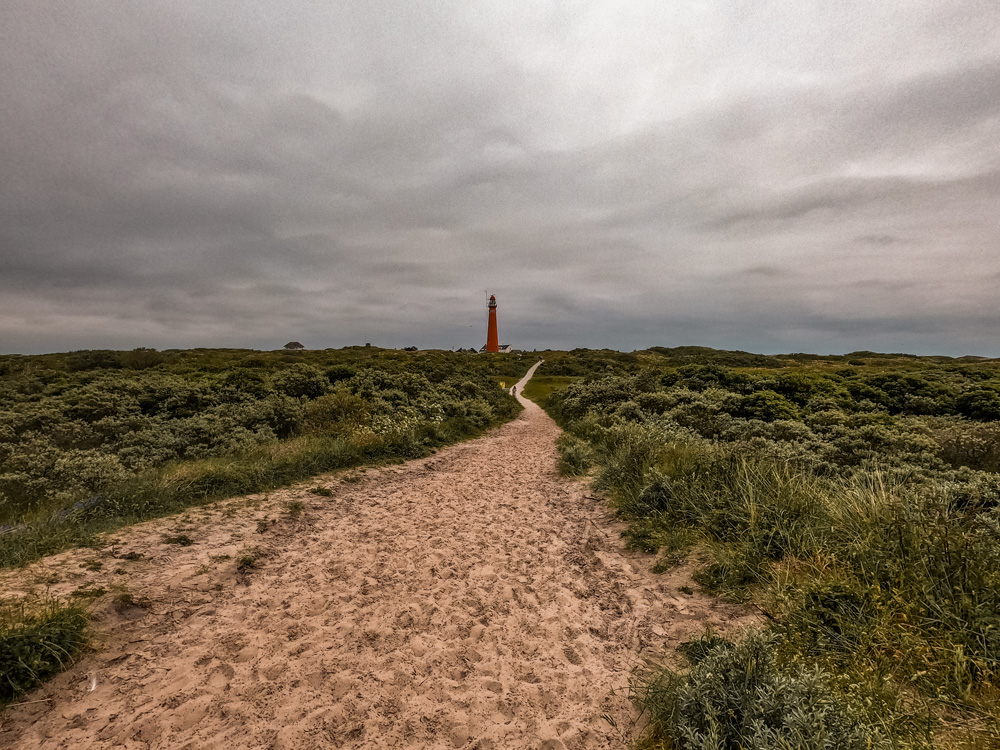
409	348
294	345
339	372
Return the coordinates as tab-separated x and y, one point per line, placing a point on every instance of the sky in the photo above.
772	176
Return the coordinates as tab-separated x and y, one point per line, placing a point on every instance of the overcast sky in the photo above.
796	175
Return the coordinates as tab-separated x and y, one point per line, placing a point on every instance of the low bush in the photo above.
741	695
247	559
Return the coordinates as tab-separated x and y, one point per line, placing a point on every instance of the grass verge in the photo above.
180	485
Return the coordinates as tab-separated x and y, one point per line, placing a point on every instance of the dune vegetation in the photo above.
96	439
855	501
91	441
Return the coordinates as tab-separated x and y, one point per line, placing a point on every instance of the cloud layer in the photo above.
772	177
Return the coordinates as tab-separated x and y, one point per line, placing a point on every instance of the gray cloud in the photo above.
816	179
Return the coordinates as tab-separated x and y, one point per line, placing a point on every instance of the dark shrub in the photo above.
93	359
575	455
301	380
766	406
341	409
981	404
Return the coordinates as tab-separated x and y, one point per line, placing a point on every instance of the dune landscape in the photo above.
472	599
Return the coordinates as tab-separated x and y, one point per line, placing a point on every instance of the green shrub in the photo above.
575	455
247	559
92	360
37	639
732	571
141	358
981	404
766	406
740	695
301	380
972	444
629	451
336	411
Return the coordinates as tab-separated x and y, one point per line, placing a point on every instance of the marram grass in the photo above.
37	639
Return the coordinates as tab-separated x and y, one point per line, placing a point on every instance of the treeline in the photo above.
857	506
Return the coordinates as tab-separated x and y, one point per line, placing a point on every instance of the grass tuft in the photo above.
247	559
181	539
37	639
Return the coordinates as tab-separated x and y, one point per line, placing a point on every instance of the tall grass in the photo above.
37	639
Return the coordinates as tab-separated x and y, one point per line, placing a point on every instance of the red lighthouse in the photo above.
492	339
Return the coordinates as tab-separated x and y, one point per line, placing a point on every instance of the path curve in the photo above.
471	599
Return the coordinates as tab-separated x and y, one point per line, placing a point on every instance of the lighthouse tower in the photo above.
492	339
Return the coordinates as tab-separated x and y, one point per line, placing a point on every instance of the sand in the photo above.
471	599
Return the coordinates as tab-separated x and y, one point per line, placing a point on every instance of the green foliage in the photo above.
858	507
575	455
767	406
975	445
740	695
981	403
301	381
93	360
37	639
92	440
141	358
335	412
628	453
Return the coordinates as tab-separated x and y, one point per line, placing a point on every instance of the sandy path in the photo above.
472	599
